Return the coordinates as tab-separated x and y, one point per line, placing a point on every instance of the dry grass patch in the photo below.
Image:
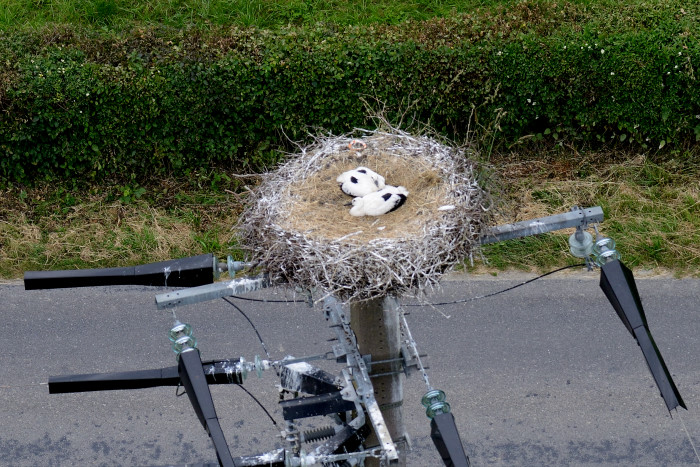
652	210
96	233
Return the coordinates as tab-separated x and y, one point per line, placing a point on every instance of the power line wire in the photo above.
471	299
267	301
261	406
251	323
266	352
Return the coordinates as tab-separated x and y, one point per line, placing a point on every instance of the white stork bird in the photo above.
360	181
380	202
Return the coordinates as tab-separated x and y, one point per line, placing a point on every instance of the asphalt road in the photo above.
545	374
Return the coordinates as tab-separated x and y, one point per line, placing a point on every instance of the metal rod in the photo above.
411	343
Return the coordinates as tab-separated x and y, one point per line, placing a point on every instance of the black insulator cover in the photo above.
447	441
617	282
185	272
216	372
195	383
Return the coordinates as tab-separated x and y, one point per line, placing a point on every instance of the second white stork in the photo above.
380	202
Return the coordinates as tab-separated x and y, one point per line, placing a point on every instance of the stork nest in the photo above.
298	228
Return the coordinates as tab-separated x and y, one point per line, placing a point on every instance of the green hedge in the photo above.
91	105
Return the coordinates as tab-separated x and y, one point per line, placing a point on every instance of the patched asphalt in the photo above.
545	374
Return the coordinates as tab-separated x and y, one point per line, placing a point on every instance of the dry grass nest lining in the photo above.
298	228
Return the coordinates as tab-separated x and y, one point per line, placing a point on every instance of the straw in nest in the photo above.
299	230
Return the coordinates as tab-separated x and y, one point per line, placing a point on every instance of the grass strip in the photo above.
652	211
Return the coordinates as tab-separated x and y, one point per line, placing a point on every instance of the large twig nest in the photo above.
298	227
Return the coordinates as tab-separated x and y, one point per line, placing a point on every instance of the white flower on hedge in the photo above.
529	101
602	51
499	53
87	94
676	67
612	73
564	47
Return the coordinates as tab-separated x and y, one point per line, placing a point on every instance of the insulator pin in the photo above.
234	266
179	330
604	251
434	403
181	338
581	244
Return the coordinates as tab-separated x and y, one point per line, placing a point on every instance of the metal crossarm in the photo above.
617	282
447	441
575	218
183	272
214	291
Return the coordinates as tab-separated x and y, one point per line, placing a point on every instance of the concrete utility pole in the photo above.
376	327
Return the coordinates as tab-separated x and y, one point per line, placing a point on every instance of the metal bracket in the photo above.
306	378
365	391
313	406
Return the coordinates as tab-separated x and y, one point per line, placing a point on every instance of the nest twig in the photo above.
299	230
